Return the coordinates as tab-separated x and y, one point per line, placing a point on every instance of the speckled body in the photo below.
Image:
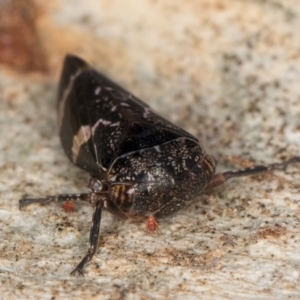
145	164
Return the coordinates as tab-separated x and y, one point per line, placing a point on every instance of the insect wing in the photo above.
100	121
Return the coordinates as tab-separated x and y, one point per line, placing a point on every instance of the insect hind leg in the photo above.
219	178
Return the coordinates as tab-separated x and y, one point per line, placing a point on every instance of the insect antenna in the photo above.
58	198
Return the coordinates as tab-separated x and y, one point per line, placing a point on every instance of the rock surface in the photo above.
227	71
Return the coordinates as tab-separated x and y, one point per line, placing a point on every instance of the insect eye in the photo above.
95	185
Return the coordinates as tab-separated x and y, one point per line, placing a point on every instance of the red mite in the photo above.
152	225
69	206
140	163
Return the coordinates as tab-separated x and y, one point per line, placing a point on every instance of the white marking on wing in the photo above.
100	121
115	124
97	90
82	136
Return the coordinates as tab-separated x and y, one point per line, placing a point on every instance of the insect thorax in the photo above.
144	181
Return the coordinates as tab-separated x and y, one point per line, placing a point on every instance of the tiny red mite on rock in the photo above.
140	163
69	206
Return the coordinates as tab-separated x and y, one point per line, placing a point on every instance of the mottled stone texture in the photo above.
226	71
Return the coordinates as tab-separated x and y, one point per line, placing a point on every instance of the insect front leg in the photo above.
59	198
220	178
94	239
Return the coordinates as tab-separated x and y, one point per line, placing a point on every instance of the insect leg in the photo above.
59	198
94	239
220	178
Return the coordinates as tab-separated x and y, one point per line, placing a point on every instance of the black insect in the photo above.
140	163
